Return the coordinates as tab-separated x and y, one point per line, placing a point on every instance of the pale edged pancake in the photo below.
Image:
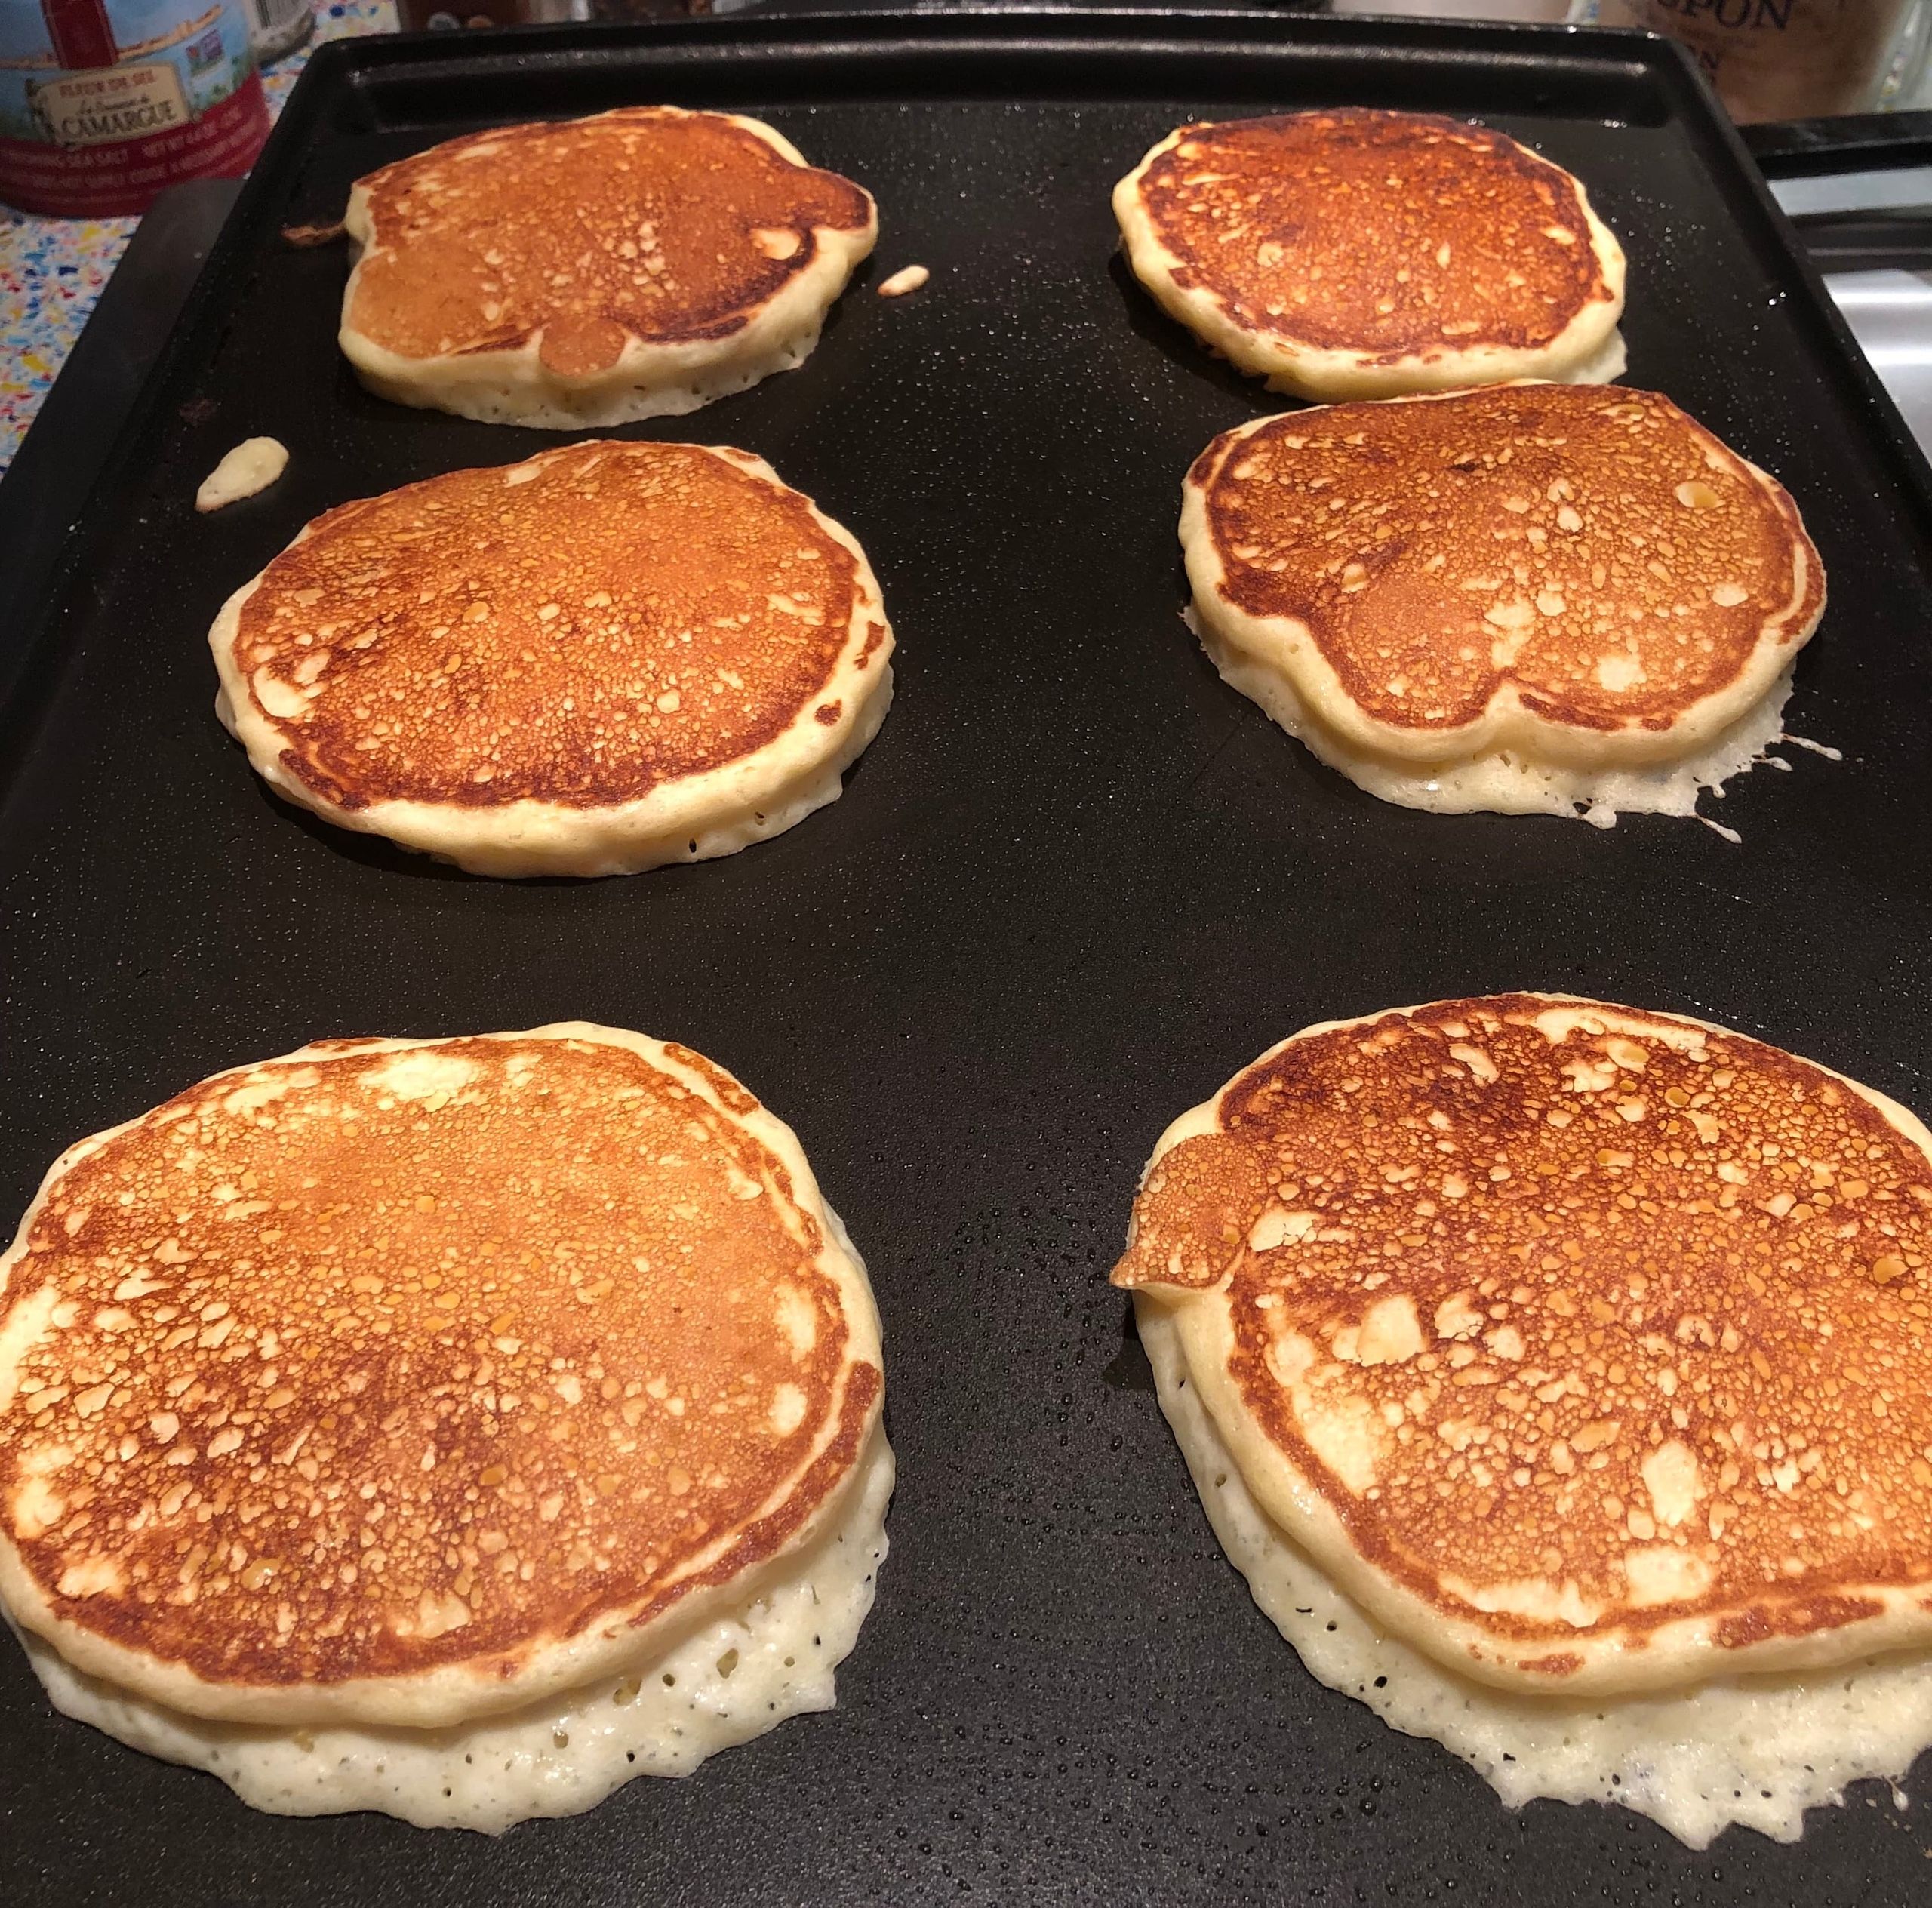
1757	1750
1584	1349
1354	252
1529	598
403	1385
773	1655
610	657
636	263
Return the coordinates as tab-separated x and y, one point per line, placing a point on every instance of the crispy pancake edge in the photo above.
649	379
798	770
386	1772
1285	646
459	1692
1587	350
1814	1630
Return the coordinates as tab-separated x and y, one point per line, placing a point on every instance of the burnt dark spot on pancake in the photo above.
1799	1617
1553	708
324	784
736	1098
1201	471
828	712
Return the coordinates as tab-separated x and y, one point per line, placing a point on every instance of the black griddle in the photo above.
1073	886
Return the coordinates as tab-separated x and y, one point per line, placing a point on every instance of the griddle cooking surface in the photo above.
1074	886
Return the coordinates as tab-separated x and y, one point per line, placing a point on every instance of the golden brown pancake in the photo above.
1360	254
1495	598
611	656
1586	1349
634	263
402	1381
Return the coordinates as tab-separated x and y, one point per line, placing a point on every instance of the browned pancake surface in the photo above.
667	227
1385	233
1593	547
344	1382
577	629
1586	1303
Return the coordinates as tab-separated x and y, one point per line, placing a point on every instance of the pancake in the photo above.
1573	1360
1586	1347
425	1396
1758	1750
1533	599
1359	253
608	657
637	263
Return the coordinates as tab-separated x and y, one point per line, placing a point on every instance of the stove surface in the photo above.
1889	311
